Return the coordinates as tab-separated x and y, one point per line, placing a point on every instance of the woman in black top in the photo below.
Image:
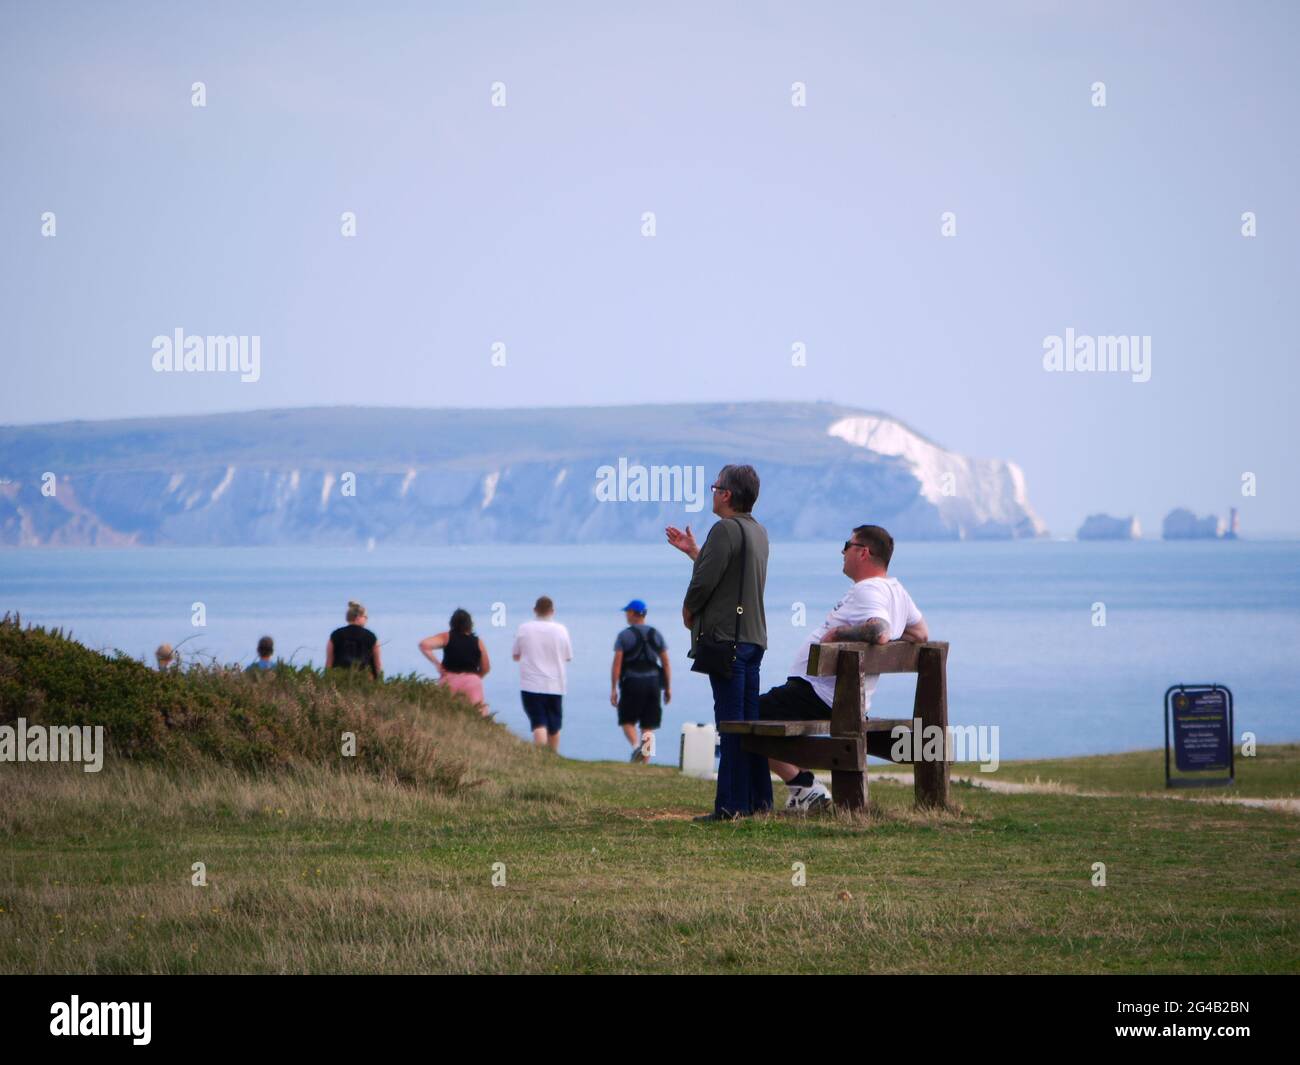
353	646
464	659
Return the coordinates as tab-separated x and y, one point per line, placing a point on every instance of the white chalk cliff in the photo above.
979	498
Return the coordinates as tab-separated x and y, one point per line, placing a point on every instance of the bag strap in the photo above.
740	591
644	650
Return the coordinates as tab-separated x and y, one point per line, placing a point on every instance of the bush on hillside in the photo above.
289	716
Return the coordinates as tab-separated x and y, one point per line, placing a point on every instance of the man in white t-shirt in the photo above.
541	648
876	609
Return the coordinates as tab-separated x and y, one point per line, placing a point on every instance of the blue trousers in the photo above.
744	779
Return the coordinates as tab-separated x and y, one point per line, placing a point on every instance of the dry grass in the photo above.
325	866
319	871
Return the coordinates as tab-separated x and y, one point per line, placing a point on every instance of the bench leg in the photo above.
849	785
849	789
931	707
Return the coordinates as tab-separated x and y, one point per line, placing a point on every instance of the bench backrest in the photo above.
848	663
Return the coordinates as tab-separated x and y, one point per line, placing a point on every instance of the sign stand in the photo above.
1200	716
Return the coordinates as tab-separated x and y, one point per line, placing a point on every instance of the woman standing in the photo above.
353	646
465	659
723	609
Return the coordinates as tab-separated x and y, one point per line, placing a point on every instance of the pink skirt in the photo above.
470	685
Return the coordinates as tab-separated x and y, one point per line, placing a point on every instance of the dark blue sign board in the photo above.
1198	718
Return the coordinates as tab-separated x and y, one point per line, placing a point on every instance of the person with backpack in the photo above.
641	671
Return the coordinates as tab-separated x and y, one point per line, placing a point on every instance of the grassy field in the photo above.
1272	773
320	865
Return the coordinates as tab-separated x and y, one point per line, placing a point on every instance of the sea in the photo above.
1067	647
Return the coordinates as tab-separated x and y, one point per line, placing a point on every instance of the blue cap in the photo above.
637	606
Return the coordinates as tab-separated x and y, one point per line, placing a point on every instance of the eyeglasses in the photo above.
850	543
718	488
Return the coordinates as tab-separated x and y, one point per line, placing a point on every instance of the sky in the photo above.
774	225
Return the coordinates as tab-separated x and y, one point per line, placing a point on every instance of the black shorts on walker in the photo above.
638	701
543	710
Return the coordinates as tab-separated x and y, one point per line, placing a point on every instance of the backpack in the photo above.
644	652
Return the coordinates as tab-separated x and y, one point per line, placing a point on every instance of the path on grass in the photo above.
1051	787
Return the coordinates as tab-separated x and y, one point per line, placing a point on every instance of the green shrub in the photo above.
288	716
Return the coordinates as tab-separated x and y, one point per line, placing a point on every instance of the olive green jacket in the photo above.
716	580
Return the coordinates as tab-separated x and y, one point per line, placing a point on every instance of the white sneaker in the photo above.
815	797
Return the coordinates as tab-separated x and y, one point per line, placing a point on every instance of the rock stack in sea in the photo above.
1182	524
1104	527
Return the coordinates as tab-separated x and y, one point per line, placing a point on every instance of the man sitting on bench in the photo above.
876	609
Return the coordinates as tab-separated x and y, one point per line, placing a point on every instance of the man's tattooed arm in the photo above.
874	630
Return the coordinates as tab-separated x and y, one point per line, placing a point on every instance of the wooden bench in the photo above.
843	743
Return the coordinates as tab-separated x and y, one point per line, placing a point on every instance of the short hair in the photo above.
461	622
742	483
544	605
877	541
265	647
164	652
355	610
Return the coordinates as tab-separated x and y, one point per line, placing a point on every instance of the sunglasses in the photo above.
850	543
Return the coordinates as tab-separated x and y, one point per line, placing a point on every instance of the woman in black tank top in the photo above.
461	653
353	646
464	659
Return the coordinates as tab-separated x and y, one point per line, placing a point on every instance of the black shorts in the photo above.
638	700
795	700
543	710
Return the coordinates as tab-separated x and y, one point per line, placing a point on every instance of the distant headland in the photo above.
356	476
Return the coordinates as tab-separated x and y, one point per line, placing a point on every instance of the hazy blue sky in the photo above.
775	224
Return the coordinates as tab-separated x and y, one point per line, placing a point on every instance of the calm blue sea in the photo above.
1025	654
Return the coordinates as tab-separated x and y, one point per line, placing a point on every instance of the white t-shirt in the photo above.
876	597
543	647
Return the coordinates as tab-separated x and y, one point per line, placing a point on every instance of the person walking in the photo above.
541	648
723	608
641	671
465	659
264	662
353	646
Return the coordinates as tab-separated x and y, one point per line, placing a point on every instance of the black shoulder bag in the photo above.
716	657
